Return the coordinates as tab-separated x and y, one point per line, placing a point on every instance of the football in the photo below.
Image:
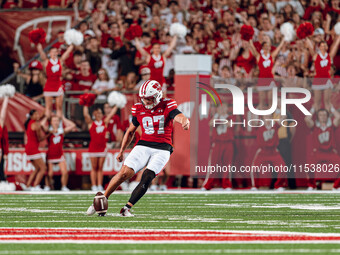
100	204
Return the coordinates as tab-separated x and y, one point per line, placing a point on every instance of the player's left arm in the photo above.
184	121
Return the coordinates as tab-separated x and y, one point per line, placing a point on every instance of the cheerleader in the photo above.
55	153
33	136
53	86
322	84
156	60
97	148
265	60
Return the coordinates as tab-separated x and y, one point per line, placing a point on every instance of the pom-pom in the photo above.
87	99
37	36
337	28
288	32
7	90
178	29
133	31
73	36
117	98
304	30
247	32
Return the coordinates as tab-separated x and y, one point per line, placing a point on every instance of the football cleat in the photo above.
125	212
91	210
151	89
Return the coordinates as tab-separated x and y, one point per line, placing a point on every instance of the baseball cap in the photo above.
319	31
35	65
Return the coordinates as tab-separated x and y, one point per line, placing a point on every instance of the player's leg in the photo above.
157	161
317	99
64	175
48	106
93	174
59	106
135	161
100	173
39	164
124	174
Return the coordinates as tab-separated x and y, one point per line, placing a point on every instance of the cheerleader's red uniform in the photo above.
53	86
98	134
32	145
322	78
55	153
266	78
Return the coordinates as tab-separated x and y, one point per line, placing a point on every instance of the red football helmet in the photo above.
151	89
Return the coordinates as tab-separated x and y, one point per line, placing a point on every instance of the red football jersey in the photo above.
223	133
98	137
32	144
156	124
53	74
265	66
322	66
267	137
324	137
156	66
55	146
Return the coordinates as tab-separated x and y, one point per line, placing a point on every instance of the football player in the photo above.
155	115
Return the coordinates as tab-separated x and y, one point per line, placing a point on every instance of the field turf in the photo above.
173	223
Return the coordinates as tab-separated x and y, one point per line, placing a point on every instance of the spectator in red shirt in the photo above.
85	79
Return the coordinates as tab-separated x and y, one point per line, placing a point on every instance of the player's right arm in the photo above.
309	121
126	140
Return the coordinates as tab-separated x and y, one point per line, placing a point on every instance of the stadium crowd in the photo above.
125	40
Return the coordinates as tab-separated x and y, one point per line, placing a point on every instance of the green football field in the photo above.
173	223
